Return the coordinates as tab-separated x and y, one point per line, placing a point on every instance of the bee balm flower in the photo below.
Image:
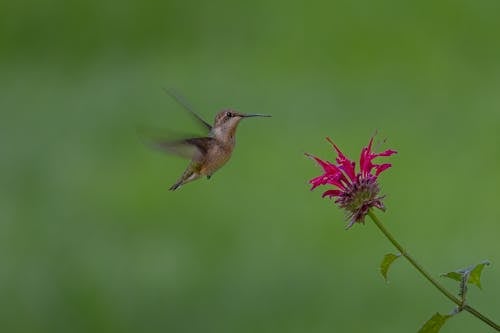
355	192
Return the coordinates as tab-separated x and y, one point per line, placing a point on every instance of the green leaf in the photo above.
434	324
475	274
472	273
387	262
453	275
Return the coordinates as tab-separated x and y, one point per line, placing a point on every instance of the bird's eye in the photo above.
229	114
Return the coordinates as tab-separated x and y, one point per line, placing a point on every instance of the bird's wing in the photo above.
202	144
187	148
182	101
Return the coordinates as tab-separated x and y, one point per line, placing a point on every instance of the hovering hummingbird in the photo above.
208	153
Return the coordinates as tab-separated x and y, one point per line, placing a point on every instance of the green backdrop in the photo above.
91	240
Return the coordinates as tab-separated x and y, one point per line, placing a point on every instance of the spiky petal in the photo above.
355	192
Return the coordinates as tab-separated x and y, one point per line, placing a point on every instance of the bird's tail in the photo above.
188	176
176	185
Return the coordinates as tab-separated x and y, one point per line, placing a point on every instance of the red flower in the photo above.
354	192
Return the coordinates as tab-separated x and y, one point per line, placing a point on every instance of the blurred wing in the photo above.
188	148
179	99
202	144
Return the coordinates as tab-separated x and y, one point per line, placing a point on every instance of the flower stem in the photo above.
434	282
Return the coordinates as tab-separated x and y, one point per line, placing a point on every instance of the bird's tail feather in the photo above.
176	185
188	176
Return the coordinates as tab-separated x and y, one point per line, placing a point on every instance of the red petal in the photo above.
365	164
328	179
380	168
331	193
346	164
365	159
388	152
315	182
327	166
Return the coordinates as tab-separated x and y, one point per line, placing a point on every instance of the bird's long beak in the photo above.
248	115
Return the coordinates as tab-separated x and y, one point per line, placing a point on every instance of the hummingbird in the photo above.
207	153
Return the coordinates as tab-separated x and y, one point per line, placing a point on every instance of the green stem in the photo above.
422	271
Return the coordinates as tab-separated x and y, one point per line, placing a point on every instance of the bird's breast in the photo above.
216	157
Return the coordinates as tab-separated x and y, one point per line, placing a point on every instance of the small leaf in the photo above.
387	262
434	324
453	275
475	273
472	273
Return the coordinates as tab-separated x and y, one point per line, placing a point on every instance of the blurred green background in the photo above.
91	240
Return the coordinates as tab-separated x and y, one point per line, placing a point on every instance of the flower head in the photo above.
355	192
